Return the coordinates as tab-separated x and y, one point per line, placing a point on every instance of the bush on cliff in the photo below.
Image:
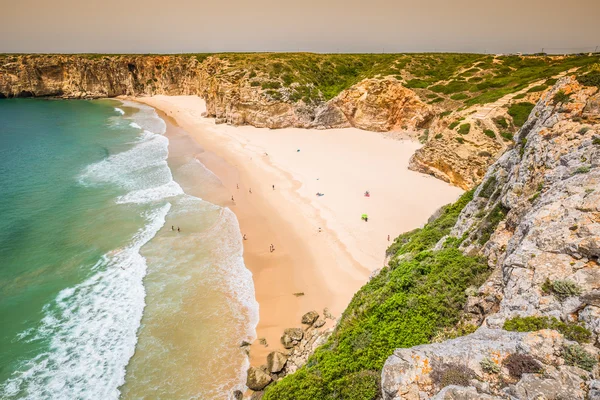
570	330
419	294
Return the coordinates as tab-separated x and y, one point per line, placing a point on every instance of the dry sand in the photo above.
327	266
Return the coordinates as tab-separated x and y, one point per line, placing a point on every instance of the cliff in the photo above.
497	296
430	96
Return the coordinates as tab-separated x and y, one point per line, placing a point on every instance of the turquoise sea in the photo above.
99	297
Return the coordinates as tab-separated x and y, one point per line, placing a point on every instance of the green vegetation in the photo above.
488	188
490	223
489	366
576	355
590	79
582	170
561	289
438	136
453	124
420	293
501	122
464	129
489	133
519	364
506	136
459	96
561	97
538	88
520	112
570	330
596	141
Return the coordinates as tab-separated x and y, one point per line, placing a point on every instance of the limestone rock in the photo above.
257	379
376	105
454	392
594	393
310	317
276	361
291	337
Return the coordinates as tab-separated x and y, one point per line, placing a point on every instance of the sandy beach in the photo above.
323	248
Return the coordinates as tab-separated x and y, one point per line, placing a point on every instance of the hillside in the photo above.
465	108
505	283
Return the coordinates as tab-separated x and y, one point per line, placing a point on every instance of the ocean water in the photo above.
99	297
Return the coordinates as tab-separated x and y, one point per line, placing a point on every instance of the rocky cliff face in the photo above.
536	217
232	95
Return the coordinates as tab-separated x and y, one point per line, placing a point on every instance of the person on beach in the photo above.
250	190
244	236
388	238
273	187
178	230
232	199
237	185
172	228
319	229
271	248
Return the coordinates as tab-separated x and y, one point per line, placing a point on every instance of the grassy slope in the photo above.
457	79
418	296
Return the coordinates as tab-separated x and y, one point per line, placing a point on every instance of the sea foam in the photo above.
91	328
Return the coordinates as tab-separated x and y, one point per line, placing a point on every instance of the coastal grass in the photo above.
418	295
520	112
570	330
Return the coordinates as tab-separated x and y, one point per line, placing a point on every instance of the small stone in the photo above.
319	323
257	395
276	361
244	344
310	317
257	379
238	395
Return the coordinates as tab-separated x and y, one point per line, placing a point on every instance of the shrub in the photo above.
489	366
453	125
506	136
596	141
438	136
582	170
561	289
271	85
571	331
488	227
584	130
358	386
590	79
459	96
576	355
519	364
520	112
254	83
489	133
451	374
488	187
561	97
501	122
538	88
520	96
460	140
420	293
464	129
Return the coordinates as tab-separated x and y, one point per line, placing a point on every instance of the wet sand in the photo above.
322	247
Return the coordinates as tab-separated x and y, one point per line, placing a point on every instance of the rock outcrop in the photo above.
377	105
232	95
536	218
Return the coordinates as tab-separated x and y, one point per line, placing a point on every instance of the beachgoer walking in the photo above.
172	228
273	187
388	238
232	199
250	190
178	230
244	236
237	185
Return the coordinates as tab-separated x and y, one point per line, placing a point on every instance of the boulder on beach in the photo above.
276	361
257	379
310	317
291	337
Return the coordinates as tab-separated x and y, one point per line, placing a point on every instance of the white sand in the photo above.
342	164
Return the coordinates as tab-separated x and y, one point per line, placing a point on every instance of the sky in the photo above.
345	26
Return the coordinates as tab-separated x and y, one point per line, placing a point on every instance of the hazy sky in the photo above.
173	26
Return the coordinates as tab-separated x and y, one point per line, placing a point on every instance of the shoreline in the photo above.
322	249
